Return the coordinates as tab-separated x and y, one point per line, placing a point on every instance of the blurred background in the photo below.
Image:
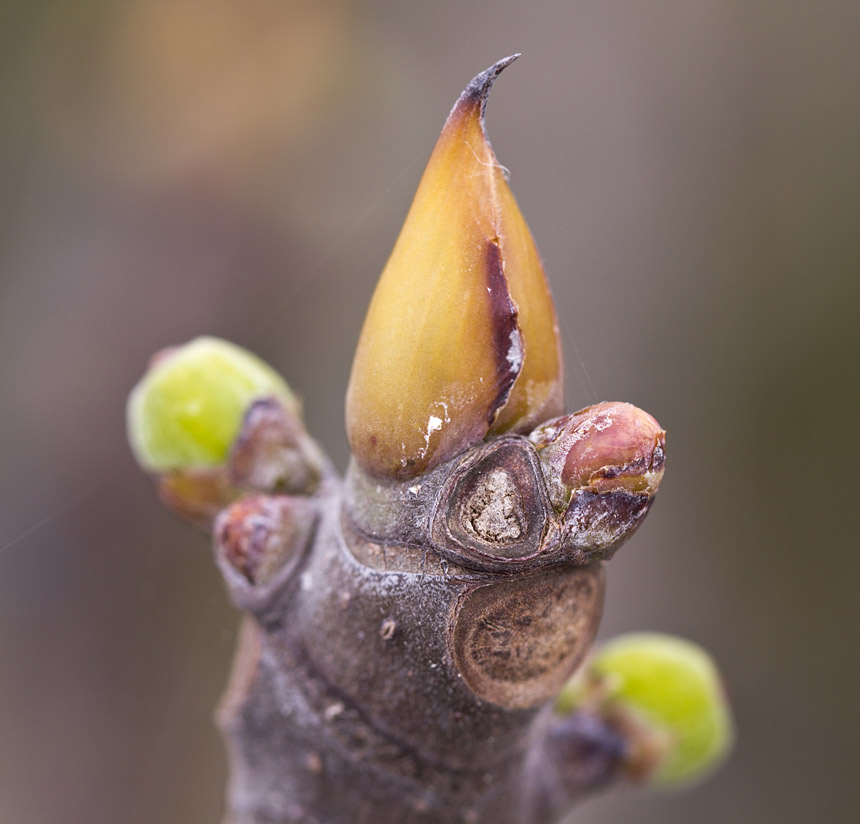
691	172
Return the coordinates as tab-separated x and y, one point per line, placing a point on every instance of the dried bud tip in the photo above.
478	90
608	447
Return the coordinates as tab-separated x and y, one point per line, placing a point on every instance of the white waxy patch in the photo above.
603	422
434	424
515	351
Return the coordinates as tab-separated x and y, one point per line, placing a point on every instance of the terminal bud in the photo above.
461	339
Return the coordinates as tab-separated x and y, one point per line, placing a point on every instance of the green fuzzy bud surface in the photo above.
187	410
672	685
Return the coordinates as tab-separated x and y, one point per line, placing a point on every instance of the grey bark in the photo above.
390	669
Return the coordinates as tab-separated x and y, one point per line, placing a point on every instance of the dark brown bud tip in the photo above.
608	447
479	89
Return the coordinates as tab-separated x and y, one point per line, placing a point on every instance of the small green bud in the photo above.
664	694
187	410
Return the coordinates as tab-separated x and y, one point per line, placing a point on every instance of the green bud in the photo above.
187	410
664	694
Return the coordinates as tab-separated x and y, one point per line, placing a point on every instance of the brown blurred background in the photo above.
691	172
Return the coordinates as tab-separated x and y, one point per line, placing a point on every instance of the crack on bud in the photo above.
507	345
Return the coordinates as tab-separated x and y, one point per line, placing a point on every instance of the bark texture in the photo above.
401	648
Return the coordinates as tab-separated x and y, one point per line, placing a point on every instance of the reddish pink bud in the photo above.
603	448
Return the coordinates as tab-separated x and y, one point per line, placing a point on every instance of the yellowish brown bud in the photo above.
461	338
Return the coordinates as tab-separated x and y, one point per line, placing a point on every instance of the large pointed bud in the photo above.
461	338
